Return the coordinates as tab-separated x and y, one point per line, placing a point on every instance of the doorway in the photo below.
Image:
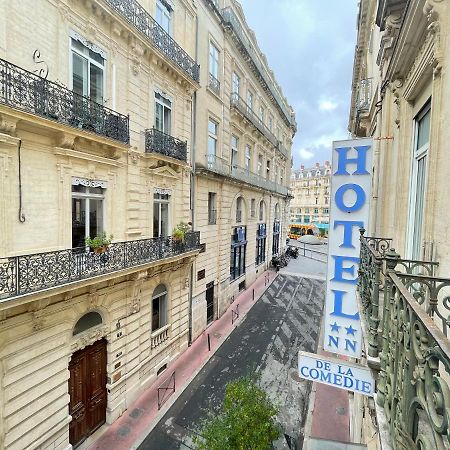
87	390
210	302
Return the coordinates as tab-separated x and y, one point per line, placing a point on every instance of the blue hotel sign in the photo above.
351	187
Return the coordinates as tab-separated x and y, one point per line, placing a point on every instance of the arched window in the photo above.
89	320
159	307
261	210
277	212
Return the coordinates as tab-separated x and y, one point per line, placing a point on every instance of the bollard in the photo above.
209	343
253	298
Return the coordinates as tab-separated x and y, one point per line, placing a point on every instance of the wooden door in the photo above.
87	390
210	302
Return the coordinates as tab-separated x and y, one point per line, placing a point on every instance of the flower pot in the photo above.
100	250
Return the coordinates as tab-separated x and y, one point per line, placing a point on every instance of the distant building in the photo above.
311	192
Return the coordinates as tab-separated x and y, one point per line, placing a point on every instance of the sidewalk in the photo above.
138	420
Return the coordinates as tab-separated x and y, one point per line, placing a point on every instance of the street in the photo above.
284	320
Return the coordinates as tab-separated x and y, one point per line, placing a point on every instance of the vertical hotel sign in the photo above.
351	187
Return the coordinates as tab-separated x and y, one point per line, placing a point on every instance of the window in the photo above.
161	214
238	250
261	243
261	210
159	307
212	213
253	207
234	150
281	176
418	181
260	165
268	169
214	68
306	210
164	15
326	199
277	212
250	99
239	208
89	320
326	211
316	211
276	236
270	122
261	114
87	71
87	210
235	83
212	137
248	157
163	113
317	200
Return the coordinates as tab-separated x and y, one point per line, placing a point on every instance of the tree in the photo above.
245	422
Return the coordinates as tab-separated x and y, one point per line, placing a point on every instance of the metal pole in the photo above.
253	295
209	343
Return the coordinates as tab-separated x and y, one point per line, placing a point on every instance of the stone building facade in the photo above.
401	92
104	110
311	194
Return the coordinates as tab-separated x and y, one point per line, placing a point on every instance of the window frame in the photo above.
164	295
212	136
160	202
214	60
167	11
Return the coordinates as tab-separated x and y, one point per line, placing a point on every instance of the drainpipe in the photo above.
372	231
193	180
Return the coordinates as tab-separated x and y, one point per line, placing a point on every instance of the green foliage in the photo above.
321	232
99	241
246	421
180	231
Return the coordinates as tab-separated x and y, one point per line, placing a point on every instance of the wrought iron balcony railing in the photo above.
222	167
407	312
20	275
214	84
250	54
26	91
158	142
137	16
237	102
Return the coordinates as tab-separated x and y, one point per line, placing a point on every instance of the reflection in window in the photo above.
89	320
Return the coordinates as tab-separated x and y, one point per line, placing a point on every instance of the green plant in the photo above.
246	420
100	241
179	232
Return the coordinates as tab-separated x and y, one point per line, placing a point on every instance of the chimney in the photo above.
302	167
327	163
317	165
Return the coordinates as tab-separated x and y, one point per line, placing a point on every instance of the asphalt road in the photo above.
284	320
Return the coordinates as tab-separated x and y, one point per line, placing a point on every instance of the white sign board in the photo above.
351	186
340	374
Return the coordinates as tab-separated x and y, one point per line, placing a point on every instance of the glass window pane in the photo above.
211	146
164	219
96	87
212	127
89	320
423	133
156	219
79	74
155	314
167	120
159	117
78	222
95	217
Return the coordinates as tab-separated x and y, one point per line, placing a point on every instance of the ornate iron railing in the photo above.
410	328
251	56
364	97
222	167
237	102
26	91
164	144
137	16
214	84
25	274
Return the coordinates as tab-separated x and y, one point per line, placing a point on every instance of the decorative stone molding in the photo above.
396	87
88	338
390	34
432	10
66	140
8	124
134	156
89	183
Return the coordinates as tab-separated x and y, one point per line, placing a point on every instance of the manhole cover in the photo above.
136	413
217	335
341	411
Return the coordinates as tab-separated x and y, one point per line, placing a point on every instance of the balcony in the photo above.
250	55
158	142
28	92
214	84
221	166
405	310
26	274
364	96
237	102
139	18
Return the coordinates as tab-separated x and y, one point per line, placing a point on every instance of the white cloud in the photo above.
305	153
327	105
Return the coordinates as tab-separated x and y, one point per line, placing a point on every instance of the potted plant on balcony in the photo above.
99	244
179	232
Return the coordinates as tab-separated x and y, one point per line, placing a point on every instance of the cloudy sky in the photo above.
309	45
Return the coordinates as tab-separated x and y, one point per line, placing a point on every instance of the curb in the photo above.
174	397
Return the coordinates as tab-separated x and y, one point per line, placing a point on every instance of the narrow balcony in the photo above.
158	142
221	166
244	109
247	49
405	311
139	18
25	91
26	274
364	96
214	84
